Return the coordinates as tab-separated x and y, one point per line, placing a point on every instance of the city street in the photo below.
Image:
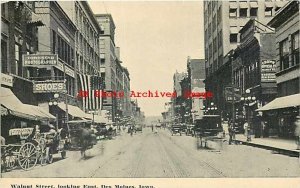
150	154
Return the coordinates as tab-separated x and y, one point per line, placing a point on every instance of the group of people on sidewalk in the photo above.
247	133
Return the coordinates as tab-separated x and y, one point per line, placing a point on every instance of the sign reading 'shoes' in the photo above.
49	87
37	60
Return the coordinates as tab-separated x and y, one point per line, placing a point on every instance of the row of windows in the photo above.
253	12
63	49
289	53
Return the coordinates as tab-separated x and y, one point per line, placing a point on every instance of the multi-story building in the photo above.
178	102
87	49
281	112
253	65
126	90
19	37
111	69
222	22
196	76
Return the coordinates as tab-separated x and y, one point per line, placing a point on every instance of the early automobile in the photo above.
189	129
138	128
176	129
81	135
209	128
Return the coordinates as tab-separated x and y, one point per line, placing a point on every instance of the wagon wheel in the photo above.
28	156
42	151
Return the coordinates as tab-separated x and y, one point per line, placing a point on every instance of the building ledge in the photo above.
287	70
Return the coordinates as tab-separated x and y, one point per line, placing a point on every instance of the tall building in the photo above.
222	22
87	51
196	76
281	113
111	69
126	89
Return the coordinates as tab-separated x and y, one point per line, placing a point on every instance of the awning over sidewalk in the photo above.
72	110
282	102
97	118
19	109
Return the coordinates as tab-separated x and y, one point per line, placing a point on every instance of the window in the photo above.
233	37
253	12
295	48
53	42
4	56
268	11
243	12
284	54
232	13
18	60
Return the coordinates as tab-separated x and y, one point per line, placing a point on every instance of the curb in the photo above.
293	153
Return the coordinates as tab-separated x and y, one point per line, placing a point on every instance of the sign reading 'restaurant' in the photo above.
49	87
37	60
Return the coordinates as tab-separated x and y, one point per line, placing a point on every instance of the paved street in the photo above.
161	155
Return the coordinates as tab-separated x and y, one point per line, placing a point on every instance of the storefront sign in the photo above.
268	70
49	87
6	80
37	60
20	132
69	71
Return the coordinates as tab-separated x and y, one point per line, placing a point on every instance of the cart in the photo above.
24	154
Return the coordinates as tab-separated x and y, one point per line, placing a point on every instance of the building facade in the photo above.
196	76
110	64
282	112
222	22
87	52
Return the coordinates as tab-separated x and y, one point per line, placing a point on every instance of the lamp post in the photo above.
54	102
247	100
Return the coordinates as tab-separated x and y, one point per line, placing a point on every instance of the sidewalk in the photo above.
276	144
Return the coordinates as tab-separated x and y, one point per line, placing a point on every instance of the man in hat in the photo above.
297	131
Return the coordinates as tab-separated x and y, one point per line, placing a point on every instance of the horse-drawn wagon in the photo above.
209	128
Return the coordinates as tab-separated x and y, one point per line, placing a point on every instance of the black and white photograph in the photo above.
149	89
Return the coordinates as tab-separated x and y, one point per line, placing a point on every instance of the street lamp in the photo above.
247	100
53	102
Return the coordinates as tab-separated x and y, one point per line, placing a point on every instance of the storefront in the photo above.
15	114
280	115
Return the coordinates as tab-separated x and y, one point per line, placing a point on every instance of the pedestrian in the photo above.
152	127
247	131
297	131
3	156
231	132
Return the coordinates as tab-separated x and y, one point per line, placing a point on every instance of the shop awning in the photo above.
282	102
41	113
97	118
72	110
19	109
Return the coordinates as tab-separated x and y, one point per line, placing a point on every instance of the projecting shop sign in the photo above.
37	60
49	87
268	70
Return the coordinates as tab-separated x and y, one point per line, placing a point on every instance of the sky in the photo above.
155	39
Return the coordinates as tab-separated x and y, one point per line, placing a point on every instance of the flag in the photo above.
89	84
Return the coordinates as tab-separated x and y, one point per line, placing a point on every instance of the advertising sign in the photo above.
6	80
268	70
37	60
20	132
49	87
232	94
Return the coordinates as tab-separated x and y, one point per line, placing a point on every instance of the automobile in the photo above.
189	129
175	129
139	127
